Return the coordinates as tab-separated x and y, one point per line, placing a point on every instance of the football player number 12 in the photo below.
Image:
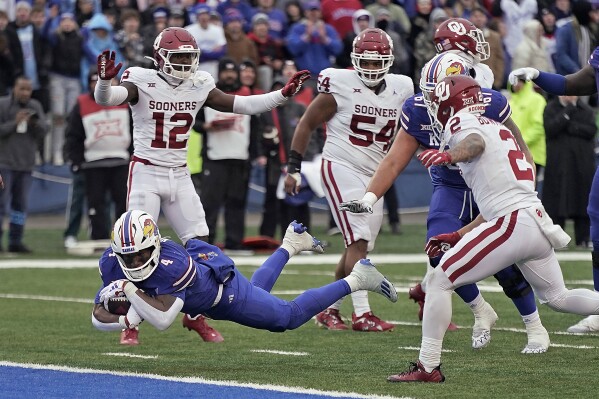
173	143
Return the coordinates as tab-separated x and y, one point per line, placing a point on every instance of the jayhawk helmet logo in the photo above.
456	68
149	228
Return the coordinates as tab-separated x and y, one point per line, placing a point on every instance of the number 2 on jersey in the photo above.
159	142
514	156
384	136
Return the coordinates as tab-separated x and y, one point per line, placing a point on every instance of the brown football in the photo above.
118	305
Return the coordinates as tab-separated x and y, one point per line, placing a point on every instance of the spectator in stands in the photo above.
239	45
461	8
421	19
210	39
66	47
527	112
178	17
338	14
22	126
515	14
312	42
28	48
84	12
574	41
118	7
270	51
98	144
547	18
6	62
248	76
402	62
147	15
277	20
130	41
562	9
362	19
150	30
570	132
38	16
230	144
242	7
530	52
294	12
100	38
398	19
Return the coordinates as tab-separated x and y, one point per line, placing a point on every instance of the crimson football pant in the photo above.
251	304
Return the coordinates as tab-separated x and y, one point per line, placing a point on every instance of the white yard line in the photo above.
279	352
121	354
417	348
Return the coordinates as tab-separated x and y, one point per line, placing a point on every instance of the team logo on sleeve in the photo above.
207	256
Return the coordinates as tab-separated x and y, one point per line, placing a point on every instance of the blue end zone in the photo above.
23	382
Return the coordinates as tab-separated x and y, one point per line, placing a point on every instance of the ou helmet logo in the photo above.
442	91
456	27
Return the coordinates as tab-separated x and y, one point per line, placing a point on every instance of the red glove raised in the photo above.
434	157
295	83
106	68
441	243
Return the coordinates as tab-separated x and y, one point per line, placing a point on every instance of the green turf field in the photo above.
53	327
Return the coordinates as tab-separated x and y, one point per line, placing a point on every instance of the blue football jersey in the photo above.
594	62
416	121
177	274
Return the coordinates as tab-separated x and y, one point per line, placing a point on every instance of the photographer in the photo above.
22	125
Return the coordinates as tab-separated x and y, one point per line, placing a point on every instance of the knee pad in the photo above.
513	282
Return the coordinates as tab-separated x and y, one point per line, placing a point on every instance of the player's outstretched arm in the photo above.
106	94
581	83
259	103
467	149
320	110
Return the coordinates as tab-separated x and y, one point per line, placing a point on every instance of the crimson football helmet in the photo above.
133	232
461	34
453	94
178	41
372	45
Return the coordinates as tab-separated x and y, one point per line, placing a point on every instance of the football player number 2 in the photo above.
514	156
159	141
364	138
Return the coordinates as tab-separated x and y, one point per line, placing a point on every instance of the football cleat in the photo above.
483	322
369	278
417	373
331	320
587	325
538	341
199	325
370	323
297	239
418	295
129	336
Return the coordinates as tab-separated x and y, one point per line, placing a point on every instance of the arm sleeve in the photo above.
106	94
105	326
257	104
160	320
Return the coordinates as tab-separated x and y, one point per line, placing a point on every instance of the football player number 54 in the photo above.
173	143
365	138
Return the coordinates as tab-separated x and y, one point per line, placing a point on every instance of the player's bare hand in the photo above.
441	243
433	157
293	182
355	206
106	68
294	84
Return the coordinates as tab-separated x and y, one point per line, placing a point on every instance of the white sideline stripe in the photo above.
416	348
280	352
382	259
572	346
200	380
130	355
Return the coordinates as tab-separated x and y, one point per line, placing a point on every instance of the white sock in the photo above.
477	304
336	305
430	353
532	320
360	301
193	318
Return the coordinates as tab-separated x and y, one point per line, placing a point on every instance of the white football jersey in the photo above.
501	178
164	115
361	131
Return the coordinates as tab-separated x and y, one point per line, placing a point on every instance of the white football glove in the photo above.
522	73
355	206
112	290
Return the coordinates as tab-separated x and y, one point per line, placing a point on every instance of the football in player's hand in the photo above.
118	305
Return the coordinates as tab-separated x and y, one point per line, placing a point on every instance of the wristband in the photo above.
294	165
